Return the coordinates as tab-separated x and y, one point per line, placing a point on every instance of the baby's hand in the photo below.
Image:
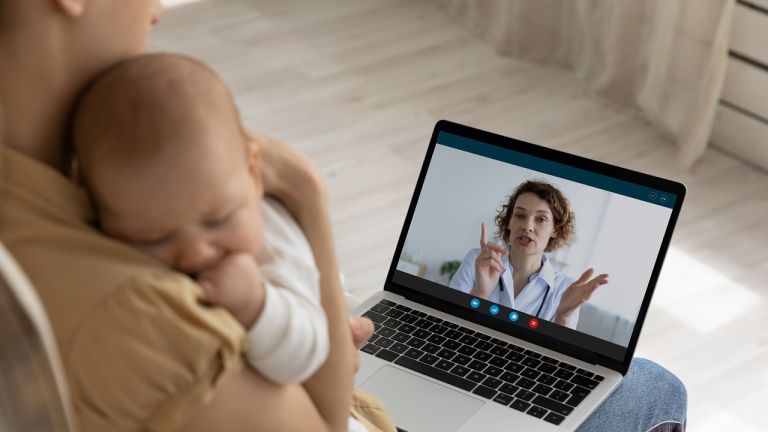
235	284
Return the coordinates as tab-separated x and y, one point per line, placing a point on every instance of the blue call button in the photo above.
475	303
514	316
494	309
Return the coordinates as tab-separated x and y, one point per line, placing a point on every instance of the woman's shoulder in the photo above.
563	280
472	254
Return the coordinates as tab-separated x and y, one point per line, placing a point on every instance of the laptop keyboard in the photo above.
521	379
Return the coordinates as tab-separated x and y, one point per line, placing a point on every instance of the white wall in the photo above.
461	190
626	248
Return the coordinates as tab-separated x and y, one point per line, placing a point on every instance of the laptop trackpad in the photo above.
416	404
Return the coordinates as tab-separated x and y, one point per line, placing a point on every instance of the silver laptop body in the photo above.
439	395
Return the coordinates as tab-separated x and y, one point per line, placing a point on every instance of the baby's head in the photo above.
162	151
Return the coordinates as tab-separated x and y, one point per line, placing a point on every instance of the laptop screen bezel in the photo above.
601	168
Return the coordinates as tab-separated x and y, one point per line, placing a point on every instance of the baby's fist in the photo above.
235	283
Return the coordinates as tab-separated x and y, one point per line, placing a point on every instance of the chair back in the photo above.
33	393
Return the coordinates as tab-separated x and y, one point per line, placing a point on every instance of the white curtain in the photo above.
666	58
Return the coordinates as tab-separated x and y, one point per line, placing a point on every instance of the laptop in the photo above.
448	354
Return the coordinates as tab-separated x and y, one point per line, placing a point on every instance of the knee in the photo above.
671	392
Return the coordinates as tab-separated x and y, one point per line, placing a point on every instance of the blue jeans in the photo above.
650	398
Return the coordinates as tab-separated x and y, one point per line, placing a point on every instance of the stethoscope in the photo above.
501	293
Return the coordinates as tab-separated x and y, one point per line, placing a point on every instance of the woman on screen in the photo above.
535	219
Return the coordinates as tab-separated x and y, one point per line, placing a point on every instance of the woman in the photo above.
181	373
141	349
536	219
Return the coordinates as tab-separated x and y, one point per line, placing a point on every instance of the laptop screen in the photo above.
536	244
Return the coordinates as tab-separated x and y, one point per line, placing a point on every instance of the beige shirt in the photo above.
140	351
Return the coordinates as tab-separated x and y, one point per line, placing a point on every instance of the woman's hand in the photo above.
488	266
577	294
362	330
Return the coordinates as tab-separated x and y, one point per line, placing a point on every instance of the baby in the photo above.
171	171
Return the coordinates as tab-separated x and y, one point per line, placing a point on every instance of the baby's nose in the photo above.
198	257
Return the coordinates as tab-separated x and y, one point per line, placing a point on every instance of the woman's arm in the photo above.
244	398
488	266
291	178
246	401
335	377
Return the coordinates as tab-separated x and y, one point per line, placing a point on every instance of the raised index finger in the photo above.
482	235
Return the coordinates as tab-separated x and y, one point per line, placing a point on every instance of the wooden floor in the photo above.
358	86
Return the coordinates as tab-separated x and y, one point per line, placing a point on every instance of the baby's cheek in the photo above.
251	235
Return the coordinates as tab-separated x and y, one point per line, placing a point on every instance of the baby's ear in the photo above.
73	8
253	157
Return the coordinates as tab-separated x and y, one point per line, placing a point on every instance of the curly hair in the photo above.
558	204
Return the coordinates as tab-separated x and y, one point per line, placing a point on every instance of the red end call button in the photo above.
533	323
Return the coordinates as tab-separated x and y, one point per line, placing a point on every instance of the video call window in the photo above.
615	234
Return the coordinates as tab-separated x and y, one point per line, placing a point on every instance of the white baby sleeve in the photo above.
289	341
